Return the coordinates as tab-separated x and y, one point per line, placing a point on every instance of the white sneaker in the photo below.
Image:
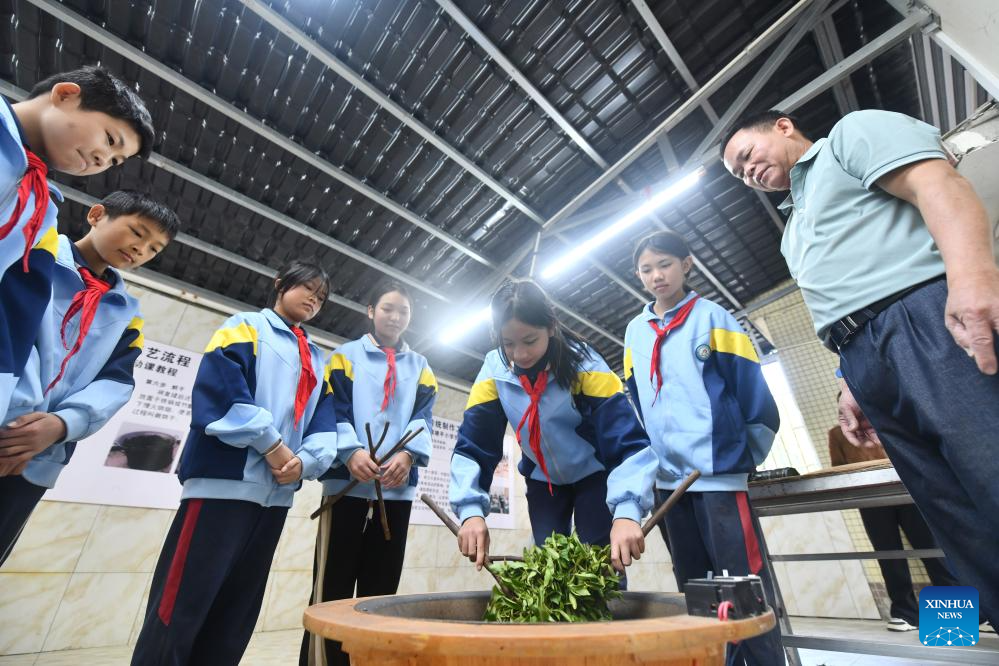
984	627
898	624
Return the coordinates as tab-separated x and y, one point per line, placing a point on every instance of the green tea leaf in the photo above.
562	580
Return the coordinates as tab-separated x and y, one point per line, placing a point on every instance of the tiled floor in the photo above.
270	648
275	648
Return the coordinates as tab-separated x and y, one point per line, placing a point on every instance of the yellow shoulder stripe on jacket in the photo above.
224	337
596	384
49	242
484	391
628	363
136	324
733	342
427	378
341	363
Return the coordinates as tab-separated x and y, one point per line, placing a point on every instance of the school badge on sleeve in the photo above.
948	615
702	352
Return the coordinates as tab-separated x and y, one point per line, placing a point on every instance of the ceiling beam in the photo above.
195	243
147	62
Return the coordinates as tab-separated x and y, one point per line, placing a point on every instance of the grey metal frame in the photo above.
850	490
238	260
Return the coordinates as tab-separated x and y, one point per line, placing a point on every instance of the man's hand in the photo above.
972	315
855	426
957	220
27	436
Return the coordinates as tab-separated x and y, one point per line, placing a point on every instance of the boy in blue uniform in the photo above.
80	123
696	378
586	458
261	421
79	372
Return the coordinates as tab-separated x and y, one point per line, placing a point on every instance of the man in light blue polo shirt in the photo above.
892	250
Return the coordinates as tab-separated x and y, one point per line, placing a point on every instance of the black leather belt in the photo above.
841	332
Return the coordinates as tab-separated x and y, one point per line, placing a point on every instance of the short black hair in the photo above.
760	120
131	202
102	91
298	272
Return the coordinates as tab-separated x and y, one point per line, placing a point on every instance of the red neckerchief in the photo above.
390	376
656	372
85	302
33	181
534	421
307	376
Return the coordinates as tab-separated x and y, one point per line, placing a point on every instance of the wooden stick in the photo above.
453	526
670	502
373	449
327	503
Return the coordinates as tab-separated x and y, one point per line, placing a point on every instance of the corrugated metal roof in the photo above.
596	61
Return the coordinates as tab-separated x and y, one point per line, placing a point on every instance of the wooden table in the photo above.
386	640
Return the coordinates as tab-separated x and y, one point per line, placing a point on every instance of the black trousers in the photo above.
937	417
882	526
209	583
18	498
352	554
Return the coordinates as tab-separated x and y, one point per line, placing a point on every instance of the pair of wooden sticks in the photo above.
649	525
406	439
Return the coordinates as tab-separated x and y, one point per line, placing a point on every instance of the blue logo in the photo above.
702	352
948	615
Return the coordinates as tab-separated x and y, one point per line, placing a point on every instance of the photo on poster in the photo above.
132	460
435	480
139	447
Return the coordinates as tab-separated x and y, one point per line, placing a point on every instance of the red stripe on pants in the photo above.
749	534
172	586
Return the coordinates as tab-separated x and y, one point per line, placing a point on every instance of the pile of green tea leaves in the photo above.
563	580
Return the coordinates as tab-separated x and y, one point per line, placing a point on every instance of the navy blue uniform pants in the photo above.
209	583
715	532
583	504
938	418
18	498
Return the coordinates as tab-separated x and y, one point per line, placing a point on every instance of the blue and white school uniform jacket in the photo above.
244	402
23	296
357	372
715	412
587	429
98	378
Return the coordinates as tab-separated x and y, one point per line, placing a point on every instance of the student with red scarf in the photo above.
261	420
79	372
586	459
377	380
79	123
697	381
